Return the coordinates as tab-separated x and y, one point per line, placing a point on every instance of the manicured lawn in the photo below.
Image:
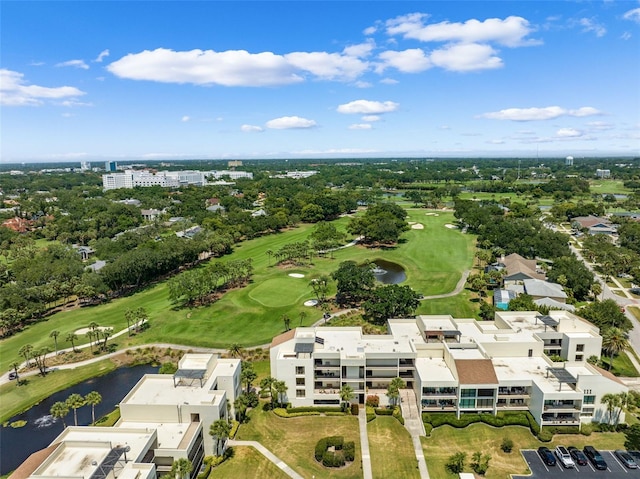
262	369
16	399
294	439
247	462
391	449
622	366
459	306
446	441
433	258
613	187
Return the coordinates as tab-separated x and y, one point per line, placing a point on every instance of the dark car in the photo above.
547	456
578	456
595	457
626	459
635	455
13	375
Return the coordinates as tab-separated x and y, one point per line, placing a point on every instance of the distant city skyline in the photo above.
165	80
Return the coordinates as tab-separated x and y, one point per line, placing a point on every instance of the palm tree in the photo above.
269	253
89	334
129	315
346	394
54	334
220	431
393	391
93	399
613	402
267	385
71	337
287	322
181	468
74	402
26	351
235	350
59	410
281	390
614	341
303	316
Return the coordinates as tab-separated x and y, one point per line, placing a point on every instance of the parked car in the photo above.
626	459
13	375
595	457
564	457
578	456
547	456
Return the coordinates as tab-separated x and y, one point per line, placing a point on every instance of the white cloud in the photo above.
185	118
15	92
368	107
74	63
389	81
206	67
626	36
568	133
363	84
251	128
534	114
496	142
360	50
361	126
599	125
290	122
328	66
511	31
371	118
36	64
409	61
369	31
73	103
590	25
102	55
466	57
633	15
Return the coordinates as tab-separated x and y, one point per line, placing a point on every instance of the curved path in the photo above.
459	287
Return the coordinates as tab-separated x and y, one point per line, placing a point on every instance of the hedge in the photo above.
319	409
280	412
383	411
371	414
355	409
234	429
344	451
397	413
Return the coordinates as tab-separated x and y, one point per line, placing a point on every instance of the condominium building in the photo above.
162	419
456	365
167	179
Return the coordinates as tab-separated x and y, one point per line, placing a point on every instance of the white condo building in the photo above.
163	418
455	365
167	179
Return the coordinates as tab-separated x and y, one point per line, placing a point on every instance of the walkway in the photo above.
413	423
364	444
269	455
456	290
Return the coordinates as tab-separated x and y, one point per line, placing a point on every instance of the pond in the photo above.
387	272
17	444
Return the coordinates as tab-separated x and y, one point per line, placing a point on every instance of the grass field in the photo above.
446	441
294	439
391	449
433	258
247	462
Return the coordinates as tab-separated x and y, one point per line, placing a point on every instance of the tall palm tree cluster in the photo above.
60	409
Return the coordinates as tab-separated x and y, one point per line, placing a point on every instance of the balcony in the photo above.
327	391
327	375
514	391
562	407
326	365
561	420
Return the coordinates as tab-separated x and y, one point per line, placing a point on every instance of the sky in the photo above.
136	80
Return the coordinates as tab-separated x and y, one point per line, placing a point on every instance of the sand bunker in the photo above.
451	227
296	275
432	214
417	226
311	302
411	222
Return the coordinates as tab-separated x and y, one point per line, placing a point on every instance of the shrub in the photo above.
373	401
349	451
343	451
455	463
397	413
355	410
586	429
280	412
318	409
371	414
545	435
330	459
380	411
427	429
234	429
507	445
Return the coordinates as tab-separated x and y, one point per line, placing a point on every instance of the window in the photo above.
579	348
579	357
467	403
485	403
530	352
299	381
299	369
589	400
300	393
468	393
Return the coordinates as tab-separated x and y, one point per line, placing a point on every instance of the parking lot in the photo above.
539	470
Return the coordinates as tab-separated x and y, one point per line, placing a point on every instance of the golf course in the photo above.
433	254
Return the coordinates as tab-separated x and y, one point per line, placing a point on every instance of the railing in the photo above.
514	392
327	375
327	391
562	407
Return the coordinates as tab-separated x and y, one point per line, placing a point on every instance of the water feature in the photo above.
41	428
387	272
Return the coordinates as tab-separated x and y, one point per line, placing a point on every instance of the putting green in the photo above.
278	292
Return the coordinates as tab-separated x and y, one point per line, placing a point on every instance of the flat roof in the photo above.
521	370
170	434
434	370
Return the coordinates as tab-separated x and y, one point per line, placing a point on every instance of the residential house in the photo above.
519	268
594	225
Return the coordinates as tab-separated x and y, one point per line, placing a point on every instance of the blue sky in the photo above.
308	79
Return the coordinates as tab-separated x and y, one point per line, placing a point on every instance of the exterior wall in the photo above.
149	412
598	386
591	346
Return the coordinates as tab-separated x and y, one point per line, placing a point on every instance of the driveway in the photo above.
539	470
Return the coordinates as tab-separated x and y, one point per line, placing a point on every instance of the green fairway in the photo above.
247	462
391	449
433	258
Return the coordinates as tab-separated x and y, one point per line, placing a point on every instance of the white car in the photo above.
564	457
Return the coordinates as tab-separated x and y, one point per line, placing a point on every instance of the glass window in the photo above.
467	403
299	369
299	381
485	403
300	393
589	400
468	393
579	357
580	348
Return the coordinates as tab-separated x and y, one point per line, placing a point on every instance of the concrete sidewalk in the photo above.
269	455
364	444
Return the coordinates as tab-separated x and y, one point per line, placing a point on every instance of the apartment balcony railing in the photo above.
514	392
327	375
335	391
562	407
